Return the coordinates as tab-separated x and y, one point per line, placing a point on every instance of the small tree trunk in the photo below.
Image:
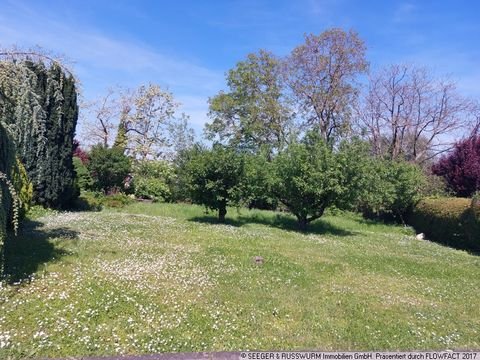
302	223
222	211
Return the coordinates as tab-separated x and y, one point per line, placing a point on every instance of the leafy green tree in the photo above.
22	112
254	112
258	181
214	177
109	167
307	179
310	176
179	184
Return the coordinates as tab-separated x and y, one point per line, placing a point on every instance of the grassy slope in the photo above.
162	278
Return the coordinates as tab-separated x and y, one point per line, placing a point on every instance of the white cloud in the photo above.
322	7
404	12
102	60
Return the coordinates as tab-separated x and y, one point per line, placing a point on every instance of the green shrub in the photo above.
109	168
258	183
392	189
116	200
475	205
450	221
152	180
38	211
89	201
95	201
82	176
179	186
152	188
24	188
435	186
473	220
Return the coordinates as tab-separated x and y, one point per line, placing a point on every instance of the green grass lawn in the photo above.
154	278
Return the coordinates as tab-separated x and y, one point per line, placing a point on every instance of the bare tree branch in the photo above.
37	54
321	75
101	119
407	113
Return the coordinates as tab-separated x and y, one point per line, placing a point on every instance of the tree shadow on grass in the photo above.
25	253
279	221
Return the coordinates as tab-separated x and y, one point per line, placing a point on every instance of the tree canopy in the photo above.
406	113
321	74
254	113
215	177
307	179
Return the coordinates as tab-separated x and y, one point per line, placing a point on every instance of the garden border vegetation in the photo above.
451	221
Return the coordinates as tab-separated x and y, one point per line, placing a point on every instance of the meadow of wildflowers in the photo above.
155	278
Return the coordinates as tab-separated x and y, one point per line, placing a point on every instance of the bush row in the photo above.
305	177
110	171
451	221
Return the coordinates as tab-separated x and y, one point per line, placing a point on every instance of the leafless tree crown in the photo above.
407	113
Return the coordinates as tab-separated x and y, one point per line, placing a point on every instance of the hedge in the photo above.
451	221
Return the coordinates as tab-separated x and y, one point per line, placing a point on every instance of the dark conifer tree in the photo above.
55	173
7	159
43	121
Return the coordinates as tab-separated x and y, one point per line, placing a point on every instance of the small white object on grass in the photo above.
420	236
258	260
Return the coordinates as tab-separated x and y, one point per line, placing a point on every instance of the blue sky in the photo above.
187	46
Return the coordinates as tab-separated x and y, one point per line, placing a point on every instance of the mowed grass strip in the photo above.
153	278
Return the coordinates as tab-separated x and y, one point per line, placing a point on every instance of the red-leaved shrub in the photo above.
79	152
461	167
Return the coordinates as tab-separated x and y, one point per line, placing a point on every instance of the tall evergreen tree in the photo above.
40	106
56	181
7	159
121	140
